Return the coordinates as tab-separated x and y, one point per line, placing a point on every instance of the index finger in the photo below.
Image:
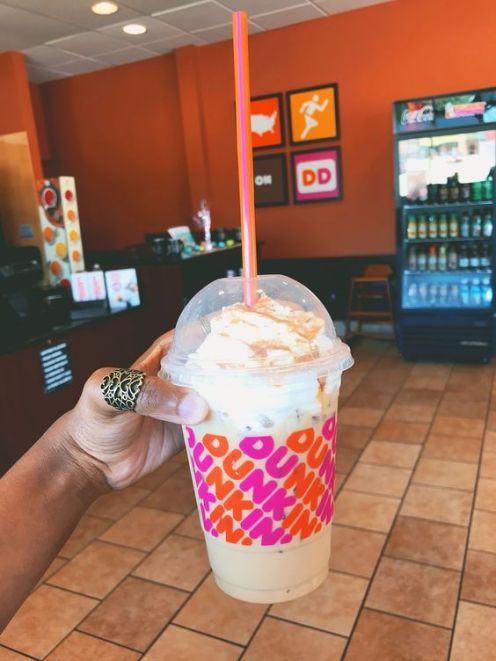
149	361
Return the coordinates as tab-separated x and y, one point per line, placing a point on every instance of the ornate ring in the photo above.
121	388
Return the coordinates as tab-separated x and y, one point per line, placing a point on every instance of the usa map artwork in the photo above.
259	491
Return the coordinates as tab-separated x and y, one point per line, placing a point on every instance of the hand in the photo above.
126	446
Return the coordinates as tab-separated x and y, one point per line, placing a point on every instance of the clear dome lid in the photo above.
286	330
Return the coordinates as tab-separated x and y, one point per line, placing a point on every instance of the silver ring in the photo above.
121	388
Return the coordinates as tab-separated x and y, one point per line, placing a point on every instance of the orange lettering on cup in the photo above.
314	456
299	480
239	472
304	525
292	516
217	513
226	526
238	506
300	440
216	478
215	444
313	495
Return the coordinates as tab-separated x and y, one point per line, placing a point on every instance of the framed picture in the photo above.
317	175
270	180
313	114
266	115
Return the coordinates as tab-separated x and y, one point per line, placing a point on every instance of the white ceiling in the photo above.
63	37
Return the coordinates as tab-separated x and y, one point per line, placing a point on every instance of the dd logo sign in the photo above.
316	175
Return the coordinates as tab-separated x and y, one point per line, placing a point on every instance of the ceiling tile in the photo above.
279	19
125	56
77	12
199	15
47	56
155	30
260	6
337	6
80	66
168	45
222	32
20	29
153	6
39	75
89	44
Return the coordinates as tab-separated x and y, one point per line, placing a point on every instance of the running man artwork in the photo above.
313	114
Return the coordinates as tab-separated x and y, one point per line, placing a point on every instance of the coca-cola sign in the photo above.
422	114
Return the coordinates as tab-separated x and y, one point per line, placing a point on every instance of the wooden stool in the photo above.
370	299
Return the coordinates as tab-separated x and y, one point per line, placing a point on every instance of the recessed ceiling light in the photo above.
104	8
134	28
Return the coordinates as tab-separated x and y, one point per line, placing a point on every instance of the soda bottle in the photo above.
452	258
411	228
443	293
487	224
474	260
442	227
454	294
453	188
442	191
463	257
464	292
432	223
476	224
484	259
487	188
421	259
486	291
413	293
475	292
465	225
422	290
465	192
431	193
442	259
433	294
422	227
432	259
453	226
476	191
412	259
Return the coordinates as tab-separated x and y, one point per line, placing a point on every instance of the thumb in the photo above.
164	401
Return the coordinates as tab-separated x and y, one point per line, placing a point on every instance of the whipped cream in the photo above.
269	334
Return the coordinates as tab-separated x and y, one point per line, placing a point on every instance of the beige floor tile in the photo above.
422	398
213	612
46	617
410	413
475	633
97	569
396	431
457	406
423	593
80	647
191	526
345	459
479	578
355	551
86	531
488	465
446	505
453	448
355	416
475	379
134	614
400	455
157	478
116	504
54	566
10	655
141	528
178	644
442	473
333	606
456	426
490	441
353	437
486	495
370	397
179	561
367	511
483	532
175	495
431	542
283	641
384	637
340	478
382	480
418	382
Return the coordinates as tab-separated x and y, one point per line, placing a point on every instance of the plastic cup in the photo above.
263	463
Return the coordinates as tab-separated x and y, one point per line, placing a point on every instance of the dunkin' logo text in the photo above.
262	492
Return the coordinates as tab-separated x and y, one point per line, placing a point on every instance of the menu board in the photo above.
55	367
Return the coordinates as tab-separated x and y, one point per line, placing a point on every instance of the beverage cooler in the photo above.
445	158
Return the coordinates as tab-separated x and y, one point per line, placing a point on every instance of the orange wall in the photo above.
118	131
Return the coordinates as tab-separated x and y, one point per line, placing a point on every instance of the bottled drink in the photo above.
484	259
453	188
486	291
465	192
463	257
413	293
476	224
464	292
412	258
487	188
453	294
452	258
432	226
465	225
442	192
475	292
433	294
431	193
422	290
421	259
476	191
443	293
411	227
453	226
432	259
487	224
422	227
442	227
474	260
442	259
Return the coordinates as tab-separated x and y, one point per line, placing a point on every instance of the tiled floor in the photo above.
413	565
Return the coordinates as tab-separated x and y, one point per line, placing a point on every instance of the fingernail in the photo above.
192	408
